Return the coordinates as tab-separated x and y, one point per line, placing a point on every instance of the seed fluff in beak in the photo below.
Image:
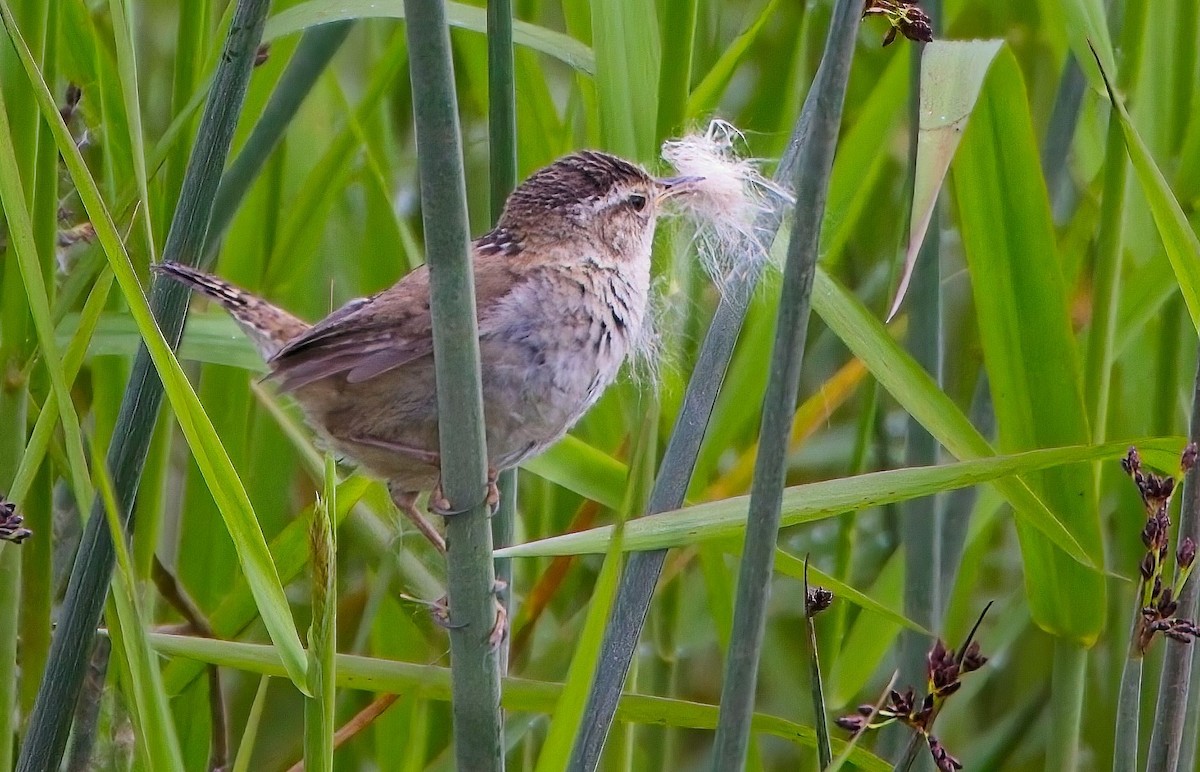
726	196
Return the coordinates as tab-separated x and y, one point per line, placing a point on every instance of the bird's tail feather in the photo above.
268	326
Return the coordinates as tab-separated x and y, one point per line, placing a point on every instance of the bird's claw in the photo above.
440	505
499	629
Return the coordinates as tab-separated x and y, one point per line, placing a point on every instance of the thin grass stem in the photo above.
814	166
502	175
683	448
475	672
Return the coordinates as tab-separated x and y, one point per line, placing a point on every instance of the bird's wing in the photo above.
370	336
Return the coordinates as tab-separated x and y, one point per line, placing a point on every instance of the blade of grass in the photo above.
568	714
918	394
931	149
478	723
317	12
43	429
241	762
50	719
675	73
151	707
1129	702
23	247
185	238
520	694
1029	346
1179	240
311	58
816	686
829	498
814	165
127	68
625	40
704	97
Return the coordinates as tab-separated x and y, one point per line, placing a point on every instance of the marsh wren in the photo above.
561	289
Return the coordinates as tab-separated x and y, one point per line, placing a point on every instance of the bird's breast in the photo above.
557	343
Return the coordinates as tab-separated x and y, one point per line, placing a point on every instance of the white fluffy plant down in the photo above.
725	207
723	210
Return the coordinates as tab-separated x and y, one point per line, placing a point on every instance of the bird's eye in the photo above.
637	201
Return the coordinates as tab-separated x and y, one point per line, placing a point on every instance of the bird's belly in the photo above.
531	395
532	399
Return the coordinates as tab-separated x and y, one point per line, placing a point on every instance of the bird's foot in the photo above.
439	611
440	505
499	629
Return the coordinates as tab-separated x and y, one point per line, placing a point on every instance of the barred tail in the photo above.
268	326
223	292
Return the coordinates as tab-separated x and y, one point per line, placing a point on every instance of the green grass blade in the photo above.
705	96
569	712
502	178
830	498
626	43
151	707
1129	702
241	763
580	467
520	694
1087	27
1029	346
1178	239
311	58
77	346
912	387
127	68
315	12
214	463
22	245
52	710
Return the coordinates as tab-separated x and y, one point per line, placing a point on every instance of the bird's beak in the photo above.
675	186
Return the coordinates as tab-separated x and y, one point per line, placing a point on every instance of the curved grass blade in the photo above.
154	721
952	75
314	12
830	498
520	694
22	243
52	710
905	380
1029	346
1179	240
707	93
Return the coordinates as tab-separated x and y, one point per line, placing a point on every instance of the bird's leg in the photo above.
440	505
406	502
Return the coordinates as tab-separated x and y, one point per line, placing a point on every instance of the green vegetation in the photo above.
260	606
